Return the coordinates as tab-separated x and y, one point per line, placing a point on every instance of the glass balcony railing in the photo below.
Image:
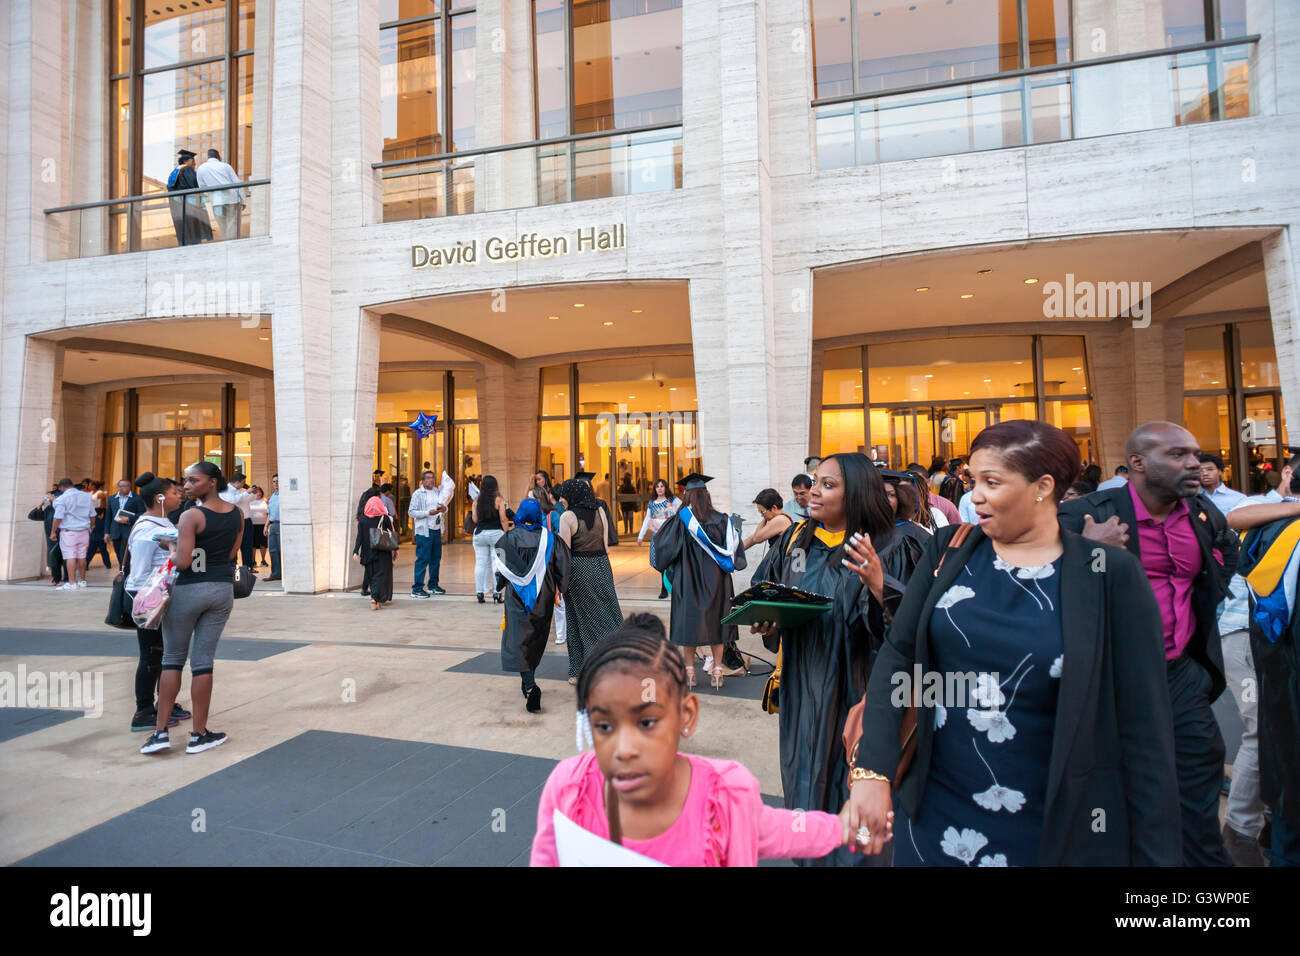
564	169
158	220
1121	94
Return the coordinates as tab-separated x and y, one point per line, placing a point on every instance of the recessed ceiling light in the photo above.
983	272
264	338
637	311
185	404
988	380
929	376
672	388
965	393
552	317
923	288
1215	382
579	305
968	295
1030	281
1077	368
631	396
609	323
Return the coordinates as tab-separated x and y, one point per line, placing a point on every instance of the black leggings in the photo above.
149	668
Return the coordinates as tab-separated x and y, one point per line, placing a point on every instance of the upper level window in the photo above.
181	77
427	66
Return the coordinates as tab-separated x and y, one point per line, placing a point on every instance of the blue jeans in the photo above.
428	554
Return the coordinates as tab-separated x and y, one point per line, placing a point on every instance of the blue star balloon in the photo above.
423	424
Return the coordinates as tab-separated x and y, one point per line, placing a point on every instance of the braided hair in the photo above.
639	640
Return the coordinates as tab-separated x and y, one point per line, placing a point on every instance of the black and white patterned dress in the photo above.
984	797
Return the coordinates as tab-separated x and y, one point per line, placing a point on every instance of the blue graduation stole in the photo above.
724	554
528	584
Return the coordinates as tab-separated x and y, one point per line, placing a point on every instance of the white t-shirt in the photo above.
147	555
74	509
239	498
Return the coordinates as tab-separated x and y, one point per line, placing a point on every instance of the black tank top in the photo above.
215	541
487	517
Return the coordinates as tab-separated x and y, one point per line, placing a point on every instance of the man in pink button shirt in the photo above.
1189	555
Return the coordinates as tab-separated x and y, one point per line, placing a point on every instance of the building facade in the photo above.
640	237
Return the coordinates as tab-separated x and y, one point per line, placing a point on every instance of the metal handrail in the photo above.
161	195
552	141
1037	70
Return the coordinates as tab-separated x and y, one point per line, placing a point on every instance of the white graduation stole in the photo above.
527	585
722	554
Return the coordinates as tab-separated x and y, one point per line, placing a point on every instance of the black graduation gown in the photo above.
824	667
524	633
701	590
189	216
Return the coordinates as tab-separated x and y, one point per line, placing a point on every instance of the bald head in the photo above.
1150	435
1164	462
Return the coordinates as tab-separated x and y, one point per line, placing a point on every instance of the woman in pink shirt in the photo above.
635	788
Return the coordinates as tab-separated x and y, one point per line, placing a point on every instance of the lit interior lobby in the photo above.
950	343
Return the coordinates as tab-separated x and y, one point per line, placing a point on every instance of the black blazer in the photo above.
134	504
1211	585
1113	746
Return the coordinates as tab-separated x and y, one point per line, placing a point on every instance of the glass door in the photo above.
956	428
1264	440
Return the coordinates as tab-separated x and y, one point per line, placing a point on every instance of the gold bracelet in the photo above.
857	773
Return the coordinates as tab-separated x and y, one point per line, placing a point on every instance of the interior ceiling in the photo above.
522	328
881	295
89	368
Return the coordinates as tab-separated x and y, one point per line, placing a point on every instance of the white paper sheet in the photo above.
578	847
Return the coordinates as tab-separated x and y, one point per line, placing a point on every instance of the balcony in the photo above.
538	173
1199	83
158	220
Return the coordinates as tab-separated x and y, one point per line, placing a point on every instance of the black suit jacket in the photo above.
1113	745
133	504
1211	585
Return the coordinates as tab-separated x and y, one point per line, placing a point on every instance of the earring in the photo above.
1039	498
686	732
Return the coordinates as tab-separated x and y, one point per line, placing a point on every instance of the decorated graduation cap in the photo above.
694	480
585	475
185	154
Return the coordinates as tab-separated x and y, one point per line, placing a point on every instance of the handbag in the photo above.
151	600
772	689
907	728
245	578
119	605
383	538
469	524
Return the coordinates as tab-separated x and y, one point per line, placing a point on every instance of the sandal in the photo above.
573	681
716	678
690	674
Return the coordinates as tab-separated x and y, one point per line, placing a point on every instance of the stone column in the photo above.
732	318
305	346
507	413
261	410
1282	276
30	406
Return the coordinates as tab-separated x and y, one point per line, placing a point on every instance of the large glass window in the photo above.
607	65
183	96
635	420
1232	401
167	428
932	397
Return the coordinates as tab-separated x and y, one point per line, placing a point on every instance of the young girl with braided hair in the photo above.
634	788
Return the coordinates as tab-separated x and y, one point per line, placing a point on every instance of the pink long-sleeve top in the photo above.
724	821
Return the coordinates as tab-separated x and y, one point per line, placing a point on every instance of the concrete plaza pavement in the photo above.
317	673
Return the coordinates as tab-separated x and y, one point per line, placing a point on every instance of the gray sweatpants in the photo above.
198	611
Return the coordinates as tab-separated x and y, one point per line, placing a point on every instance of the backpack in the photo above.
952	488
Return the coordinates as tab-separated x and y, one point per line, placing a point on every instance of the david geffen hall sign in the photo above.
528	246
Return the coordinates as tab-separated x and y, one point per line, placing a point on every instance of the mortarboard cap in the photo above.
185	154
377	471
695	480
895	476
585	475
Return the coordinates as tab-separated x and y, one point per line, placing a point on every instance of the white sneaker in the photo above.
708	664
81	584
559	638
67	586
